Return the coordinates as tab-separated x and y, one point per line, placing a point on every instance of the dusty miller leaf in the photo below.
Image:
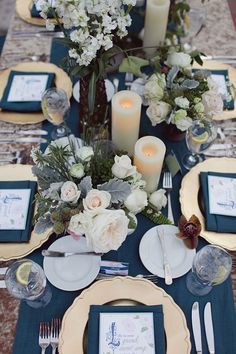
43	224
85	186
190	84
46	176
118	189
171	76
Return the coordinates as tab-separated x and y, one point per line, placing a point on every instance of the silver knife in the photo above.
167	268
24	132
221	146
209	328
196	327
219	57
23	140
49	253
220	153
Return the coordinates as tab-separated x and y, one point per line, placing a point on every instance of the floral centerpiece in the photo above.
90	28
92	192
178	95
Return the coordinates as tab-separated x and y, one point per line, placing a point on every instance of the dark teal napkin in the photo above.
214	222
35	13
19	236
34	106
93	324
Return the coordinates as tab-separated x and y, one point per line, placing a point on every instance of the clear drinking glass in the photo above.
211	266
199	137
56	107
194	23
26	280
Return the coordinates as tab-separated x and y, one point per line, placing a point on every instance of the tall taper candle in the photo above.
155	25
149	154
126	112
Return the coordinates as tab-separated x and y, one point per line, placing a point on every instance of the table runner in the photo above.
221	297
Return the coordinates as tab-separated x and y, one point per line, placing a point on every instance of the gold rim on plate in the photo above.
62	81
18	250
123	290
216	65
23	9
189	200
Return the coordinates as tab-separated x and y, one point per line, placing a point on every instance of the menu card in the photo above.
27	88
222	195
127	333
14	205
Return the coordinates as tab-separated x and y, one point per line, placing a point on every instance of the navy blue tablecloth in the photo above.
221	297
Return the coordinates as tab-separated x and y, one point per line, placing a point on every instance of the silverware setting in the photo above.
167	185
37	34
49	335
23	140
196	325
152	277
129	78
49	253
166	264
24	132
21	56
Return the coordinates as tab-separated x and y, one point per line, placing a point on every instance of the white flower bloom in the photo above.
181	120
181	60
77	170
157	112
136	201
79	223
69	192
50	26
85	153
212	102
109	230
123	167
96	200
154	88
136	181
158	199
182	102
212	84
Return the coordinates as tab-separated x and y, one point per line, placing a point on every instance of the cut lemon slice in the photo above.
200	139
23	272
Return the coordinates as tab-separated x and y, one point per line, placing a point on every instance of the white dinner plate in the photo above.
73	272
110	90
179	256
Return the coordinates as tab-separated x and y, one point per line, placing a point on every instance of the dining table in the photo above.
19	323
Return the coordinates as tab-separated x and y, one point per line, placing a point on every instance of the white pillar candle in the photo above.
126	112
155	25
149	155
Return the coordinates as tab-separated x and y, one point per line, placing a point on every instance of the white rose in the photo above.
212	102
181	120
109	230
157	112
154	88
158	199
85	153
136	201
123	167
77	225
70	192
181	60
77	170
96	200
212	84
182	102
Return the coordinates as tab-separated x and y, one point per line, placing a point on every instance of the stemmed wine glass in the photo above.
211	266
199	136
55	107
26	280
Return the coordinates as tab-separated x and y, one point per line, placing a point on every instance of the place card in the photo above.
221	83
222	195
27	88
14	205
127	333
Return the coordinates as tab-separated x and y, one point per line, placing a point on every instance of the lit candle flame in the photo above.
126	104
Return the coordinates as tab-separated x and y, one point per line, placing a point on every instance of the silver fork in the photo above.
44	336
129	78
151	277
55	330
167	185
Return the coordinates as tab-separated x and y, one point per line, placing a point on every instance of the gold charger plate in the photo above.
117	291
23	9
189	200
216	65
18	250
62	81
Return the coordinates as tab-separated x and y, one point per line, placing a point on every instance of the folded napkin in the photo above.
30	106
36	13
19	236
215	222
94	319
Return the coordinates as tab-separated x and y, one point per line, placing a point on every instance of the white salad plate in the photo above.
72	272
110	90
179	256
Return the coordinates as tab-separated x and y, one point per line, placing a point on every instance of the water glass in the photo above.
56	107
26	280
211	266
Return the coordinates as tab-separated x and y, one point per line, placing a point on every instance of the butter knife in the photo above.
24	132
167	268
23	140
220	153
221	146
196	325
209	328
49	253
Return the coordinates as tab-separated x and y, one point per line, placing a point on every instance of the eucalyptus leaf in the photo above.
85	186
118	189
133	65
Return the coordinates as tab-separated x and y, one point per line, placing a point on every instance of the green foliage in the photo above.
100	169
156	216
133	65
